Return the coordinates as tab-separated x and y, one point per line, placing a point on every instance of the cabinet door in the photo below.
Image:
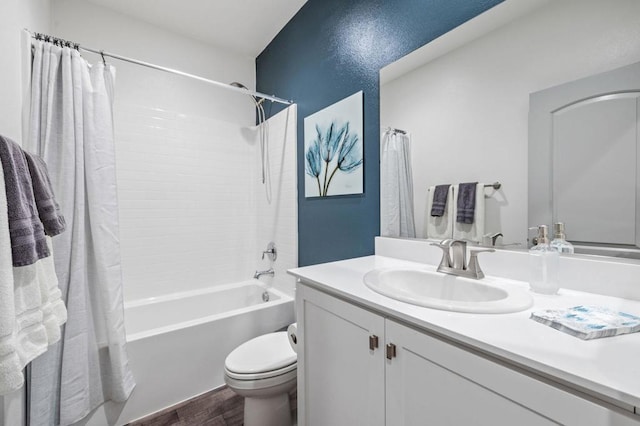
340	380
432	382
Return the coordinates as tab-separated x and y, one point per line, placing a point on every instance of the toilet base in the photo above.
270	411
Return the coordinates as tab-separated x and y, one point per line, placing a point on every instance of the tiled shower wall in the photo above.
277	199
192	204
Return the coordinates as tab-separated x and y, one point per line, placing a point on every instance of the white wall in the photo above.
193	210
34	15
186	186
468	110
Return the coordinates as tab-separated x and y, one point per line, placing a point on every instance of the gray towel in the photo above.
466	202
26	232
48	209
439	202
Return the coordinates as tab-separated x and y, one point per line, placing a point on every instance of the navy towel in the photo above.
466	202
28	243
48	209
439	201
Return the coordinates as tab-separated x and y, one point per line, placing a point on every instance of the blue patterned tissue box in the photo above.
589	322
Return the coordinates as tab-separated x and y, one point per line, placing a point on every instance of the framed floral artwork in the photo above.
333	149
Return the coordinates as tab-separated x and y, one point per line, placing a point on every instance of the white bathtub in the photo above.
177	343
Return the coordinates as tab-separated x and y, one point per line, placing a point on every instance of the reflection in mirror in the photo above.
465	103
583	160
396	195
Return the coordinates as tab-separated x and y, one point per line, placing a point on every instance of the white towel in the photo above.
38	307
30	333
31	308
470	231
11	377
439	227
54	313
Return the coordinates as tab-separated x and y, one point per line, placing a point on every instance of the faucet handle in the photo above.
474	252
446	257
446	242
440	244
474	266
491	238
271	251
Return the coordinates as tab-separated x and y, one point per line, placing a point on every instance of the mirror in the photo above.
583	160
463	99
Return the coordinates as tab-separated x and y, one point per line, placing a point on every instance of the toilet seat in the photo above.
263	371
263	375
263	357
239	383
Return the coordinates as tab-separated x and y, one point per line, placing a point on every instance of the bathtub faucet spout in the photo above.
269	271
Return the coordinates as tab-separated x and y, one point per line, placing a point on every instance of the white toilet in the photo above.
263	370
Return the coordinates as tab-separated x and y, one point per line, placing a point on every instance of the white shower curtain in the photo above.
71	127
396	187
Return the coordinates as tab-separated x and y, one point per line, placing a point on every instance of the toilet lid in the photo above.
264	353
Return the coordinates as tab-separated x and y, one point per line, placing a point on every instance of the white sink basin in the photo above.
448	292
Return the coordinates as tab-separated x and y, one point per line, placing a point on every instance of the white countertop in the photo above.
608	368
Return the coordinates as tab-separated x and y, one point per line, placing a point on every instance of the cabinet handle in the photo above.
373	342
391	351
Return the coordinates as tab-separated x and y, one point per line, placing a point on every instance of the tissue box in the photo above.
589	322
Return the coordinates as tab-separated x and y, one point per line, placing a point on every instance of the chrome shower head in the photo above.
242	86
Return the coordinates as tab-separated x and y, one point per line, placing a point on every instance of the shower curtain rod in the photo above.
102	53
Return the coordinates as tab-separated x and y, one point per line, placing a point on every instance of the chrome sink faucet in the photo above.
269	271
454	259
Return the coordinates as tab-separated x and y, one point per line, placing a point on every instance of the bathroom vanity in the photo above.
367	359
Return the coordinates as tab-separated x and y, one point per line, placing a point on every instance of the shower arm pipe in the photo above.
182	73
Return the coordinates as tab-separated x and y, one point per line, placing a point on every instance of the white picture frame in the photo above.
334	149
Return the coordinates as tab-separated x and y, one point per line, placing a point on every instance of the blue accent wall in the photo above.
329	50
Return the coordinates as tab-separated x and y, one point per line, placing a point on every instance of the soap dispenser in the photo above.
543	264
560	242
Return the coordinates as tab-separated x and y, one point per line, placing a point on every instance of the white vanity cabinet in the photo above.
340	379
435	383
413	377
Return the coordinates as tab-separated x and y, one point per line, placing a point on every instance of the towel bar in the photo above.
494	185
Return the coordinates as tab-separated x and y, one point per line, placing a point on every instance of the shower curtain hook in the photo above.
104	62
